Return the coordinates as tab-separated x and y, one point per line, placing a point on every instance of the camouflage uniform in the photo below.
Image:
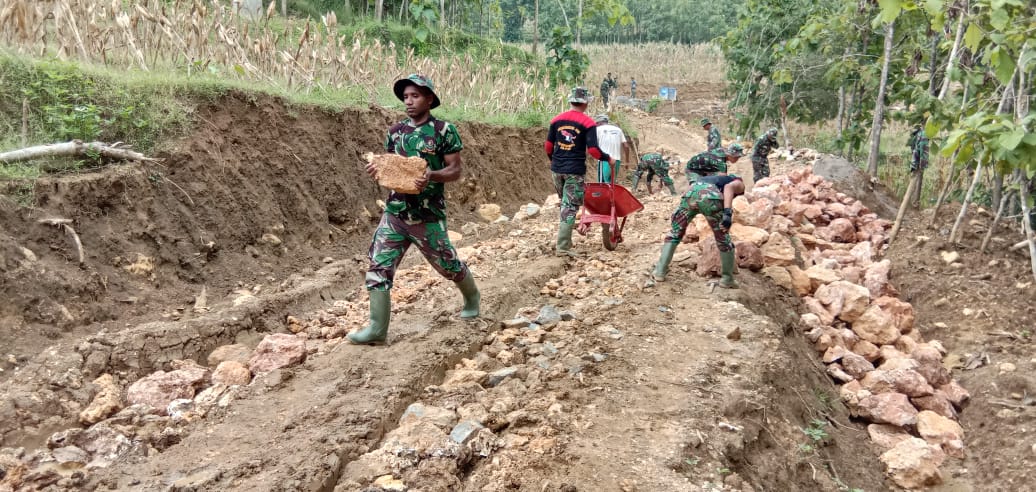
714	141
660	167
570	189
763	147
919	146
705	164
416	219
705	199
605	89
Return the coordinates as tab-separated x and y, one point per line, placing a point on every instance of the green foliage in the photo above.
567	65
653	104
66	102
426	15
815	431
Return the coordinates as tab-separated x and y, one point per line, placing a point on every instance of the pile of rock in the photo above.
498	404
150	414
823	245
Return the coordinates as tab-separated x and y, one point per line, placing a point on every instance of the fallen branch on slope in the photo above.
74	148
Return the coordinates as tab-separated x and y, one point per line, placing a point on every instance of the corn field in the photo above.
212	37
656	63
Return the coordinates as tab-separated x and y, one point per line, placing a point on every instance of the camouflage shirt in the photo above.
432	141
710	161
715	141
763	147
920	152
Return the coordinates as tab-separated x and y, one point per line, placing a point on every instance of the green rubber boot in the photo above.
662	267
636	181
564	245
727	261
472	298
376	332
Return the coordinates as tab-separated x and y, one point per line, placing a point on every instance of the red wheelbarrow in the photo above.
607	203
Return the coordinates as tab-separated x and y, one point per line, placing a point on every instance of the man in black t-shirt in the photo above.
572	135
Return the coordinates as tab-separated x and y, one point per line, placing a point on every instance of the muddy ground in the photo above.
633	389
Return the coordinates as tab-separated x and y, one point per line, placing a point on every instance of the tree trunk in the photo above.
950	178
954	52
536	28
996	220
1026	194
934	55
284	8
997	192
379	10
73	148
914	182
841	111
442	13
579	24
964	206
879	106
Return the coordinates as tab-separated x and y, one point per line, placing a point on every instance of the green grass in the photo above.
69	101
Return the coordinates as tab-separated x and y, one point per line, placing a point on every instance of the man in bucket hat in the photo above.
416	219
572	135
714	140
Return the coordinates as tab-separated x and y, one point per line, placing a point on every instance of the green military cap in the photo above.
601	118
736	150
705	121
418	80
772	132
579	95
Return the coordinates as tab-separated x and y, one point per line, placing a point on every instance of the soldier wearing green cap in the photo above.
418	219
571	136
713	197
714	140
760	162
712	162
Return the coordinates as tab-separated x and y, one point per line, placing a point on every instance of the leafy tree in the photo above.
567	65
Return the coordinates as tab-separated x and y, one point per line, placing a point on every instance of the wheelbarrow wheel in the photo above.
606	237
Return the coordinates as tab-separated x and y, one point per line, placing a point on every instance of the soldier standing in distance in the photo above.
918	144
714	140
416	219
713	197
760	161
711	162
633	88
572	135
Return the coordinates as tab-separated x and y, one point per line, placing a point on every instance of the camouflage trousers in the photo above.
760	168
705	199
693	177
570	190
394	236
662	173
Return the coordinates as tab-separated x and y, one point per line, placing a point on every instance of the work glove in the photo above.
728	218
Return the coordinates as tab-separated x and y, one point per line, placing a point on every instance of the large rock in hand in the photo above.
398	173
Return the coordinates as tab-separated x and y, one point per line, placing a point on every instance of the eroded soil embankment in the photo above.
259	192
252	203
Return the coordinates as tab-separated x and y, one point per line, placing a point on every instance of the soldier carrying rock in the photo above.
418	219
763	147
712	161
713	197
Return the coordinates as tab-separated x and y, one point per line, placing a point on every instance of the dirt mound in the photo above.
260	192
